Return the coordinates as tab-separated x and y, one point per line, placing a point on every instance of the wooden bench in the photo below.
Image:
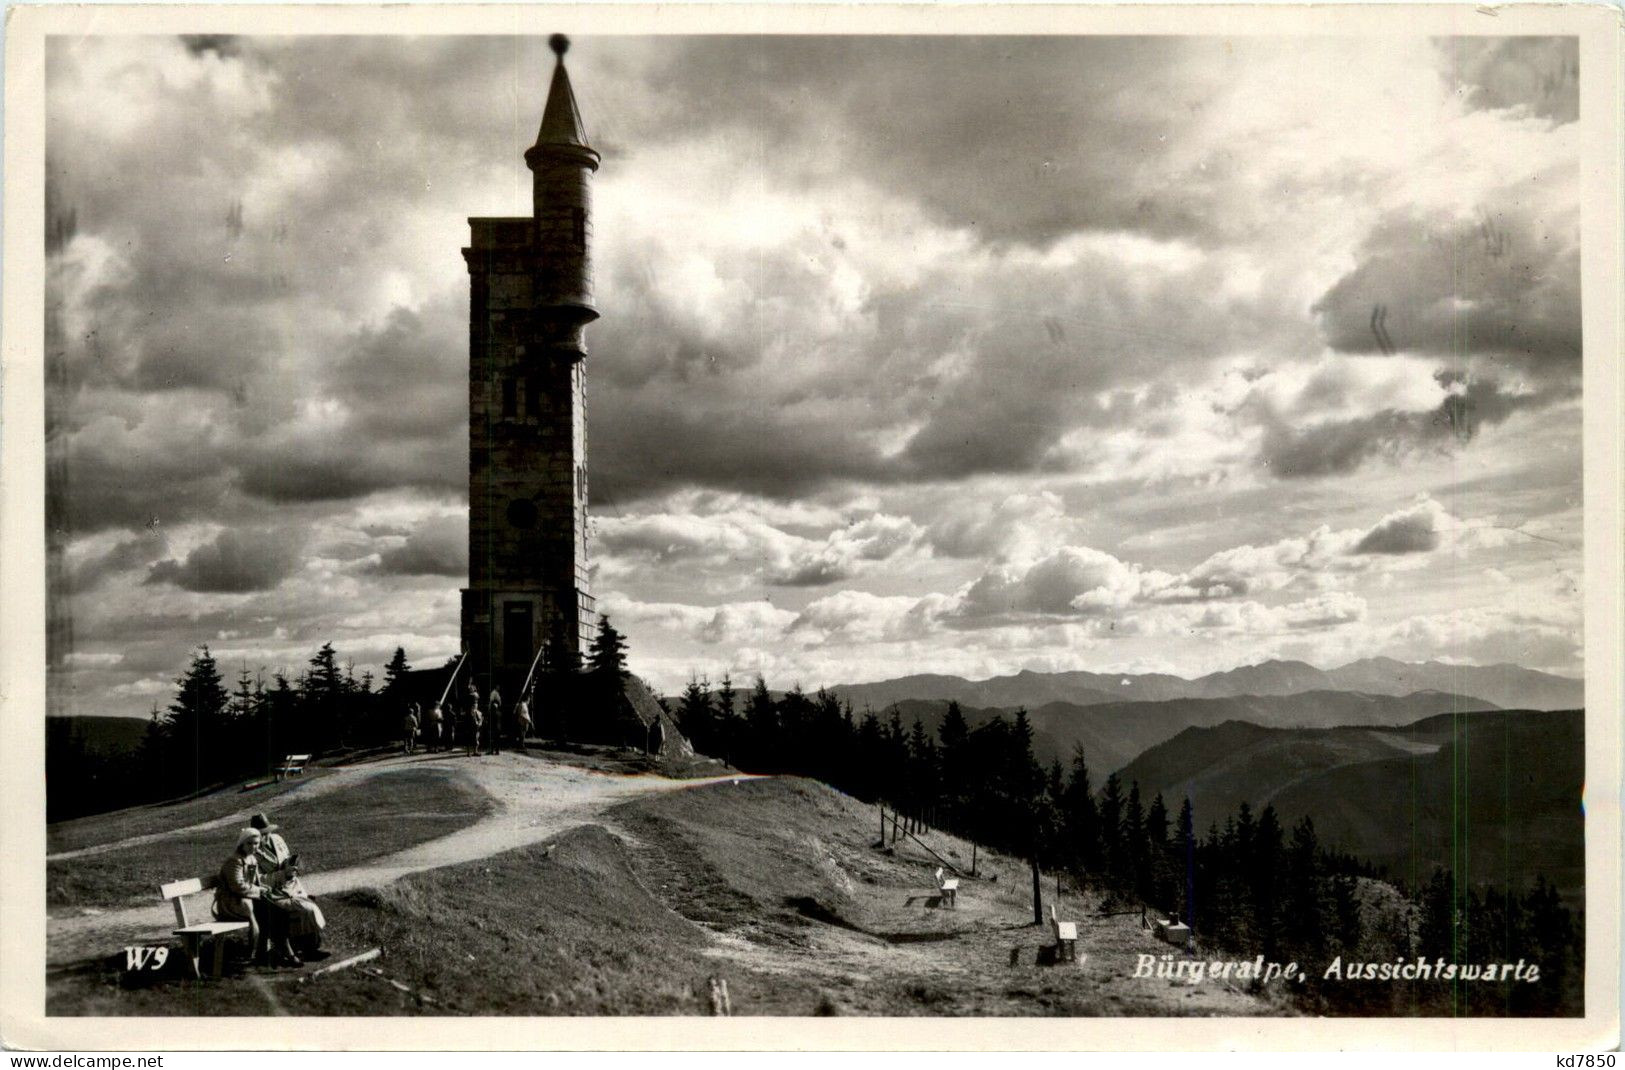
292	765
1066	937
193	936
948	888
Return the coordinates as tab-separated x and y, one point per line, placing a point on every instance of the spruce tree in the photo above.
1303	924
1080	818
396	668
958	776
1112	856
1137	871
762	729
195	729
606	657
694	715
606	679
1185	862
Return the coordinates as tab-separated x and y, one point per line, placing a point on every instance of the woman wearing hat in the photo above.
241	895
279	867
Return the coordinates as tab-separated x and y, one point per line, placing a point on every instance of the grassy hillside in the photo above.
1495	796
340	828
776	887
82	832
1113	734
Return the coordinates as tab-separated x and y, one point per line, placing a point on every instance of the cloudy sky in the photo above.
956	355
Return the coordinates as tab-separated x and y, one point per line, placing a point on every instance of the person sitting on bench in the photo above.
240	896
279	869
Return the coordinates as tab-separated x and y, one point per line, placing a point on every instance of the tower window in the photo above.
510	398
578	222
533	395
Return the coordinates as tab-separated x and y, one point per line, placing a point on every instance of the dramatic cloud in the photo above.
917	353
235	562
1504	283
742	544
438	547
1410	531
1538	75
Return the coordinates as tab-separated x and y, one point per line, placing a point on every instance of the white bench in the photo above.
948	888
193	936
292	765
1066	937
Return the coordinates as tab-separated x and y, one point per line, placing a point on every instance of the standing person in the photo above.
521	719
411	727
474	724
432	728
494	716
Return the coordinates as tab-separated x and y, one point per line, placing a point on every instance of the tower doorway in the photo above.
518	633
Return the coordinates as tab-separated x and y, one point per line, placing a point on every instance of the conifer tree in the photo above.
1185	863
606	656
695	716
761	729
957	769
1349	926
1081	820
195	727
1111	831
396	668
1303	923
1265	871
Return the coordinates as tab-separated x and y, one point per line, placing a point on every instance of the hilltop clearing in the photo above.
353	820
587	893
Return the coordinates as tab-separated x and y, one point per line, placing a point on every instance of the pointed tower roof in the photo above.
562	131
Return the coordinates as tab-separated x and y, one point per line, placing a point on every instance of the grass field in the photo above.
340	828
82	832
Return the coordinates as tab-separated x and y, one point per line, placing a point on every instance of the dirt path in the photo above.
535	799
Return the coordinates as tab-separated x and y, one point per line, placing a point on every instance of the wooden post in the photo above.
452	680
973	859
882	824
1038	894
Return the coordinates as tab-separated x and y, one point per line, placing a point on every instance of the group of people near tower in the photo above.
480	729
260	884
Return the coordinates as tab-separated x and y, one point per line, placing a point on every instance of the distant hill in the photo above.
1506	686
102	736
1113	733
1501	789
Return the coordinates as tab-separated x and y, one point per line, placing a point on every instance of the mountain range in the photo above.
1496	794
1506	686
1113	733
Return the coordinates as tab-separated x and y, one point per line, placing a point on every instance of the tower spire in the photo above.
562	131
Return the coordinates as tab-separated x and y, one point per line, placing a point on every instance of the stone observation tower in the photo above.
531	299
